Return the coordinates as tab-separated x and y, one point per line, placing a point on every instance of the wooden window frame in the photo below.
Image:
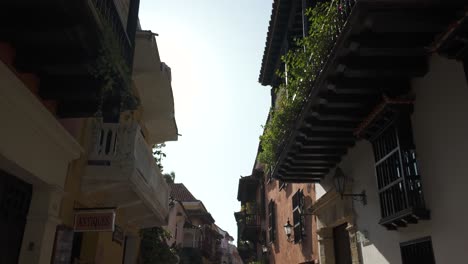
298	217
271	221
398	176
412	250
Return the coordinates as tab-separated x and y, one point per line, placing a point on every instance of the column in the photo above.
132	242
355	256
42	221
326	247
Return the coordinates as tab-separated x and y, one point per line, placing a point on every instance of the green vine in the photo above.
113	70
154	248
303	65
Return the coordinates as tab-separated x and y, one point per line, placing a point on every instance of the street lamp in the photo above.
288	229
339	180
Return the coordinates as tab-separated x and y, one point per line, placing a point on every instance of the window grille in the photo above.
271	221
298	219
398	177
417	251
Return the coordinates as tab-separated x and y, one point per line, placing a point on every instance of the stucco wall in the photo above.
440	128
282	251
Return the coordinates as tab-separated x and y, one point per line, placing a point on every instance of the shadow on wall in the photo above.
307	241
379	244
288	189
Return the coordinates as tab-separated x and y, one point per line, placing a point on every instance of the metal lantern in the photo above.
288	229
264	249
339	180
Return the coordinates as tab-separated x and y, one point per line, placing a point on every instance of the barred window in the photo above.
398	177
271	221
298	219
417	251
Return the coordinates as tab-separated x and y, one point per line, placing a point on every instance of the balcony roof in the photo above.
382	46
285	19
247	189
152	79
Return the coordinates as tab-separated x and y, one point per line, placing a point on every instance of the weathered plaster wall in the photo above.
282	251
440	129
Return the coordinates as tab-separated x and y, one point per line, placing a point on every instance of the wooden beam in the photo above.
397	41
305	166
309	163
317	160
304	136
304	152
302	170
331	116
409	20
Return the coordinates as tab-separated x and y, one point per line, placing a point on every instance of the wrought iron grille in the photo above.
398	178
298	219
417	251
271	221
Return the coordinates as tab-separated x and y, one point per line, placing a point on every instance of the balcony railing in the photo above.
112	17
191	244
248	225
119	156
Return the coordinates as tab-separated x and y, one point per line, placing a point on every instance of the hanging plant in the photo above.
303	65
112	69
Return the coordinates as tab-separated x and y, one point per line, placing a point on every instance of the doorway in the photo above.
15	198
342	245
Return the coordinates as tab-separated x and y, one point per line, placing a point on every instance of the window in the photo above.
417	251
282	185
271	221
398	177
298	219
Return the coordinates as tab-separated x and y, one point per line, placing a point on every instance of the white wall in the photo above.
440	126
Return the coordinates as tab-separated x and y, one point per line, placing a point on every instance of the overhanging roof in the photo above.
285	19
153	82
365	62
247	188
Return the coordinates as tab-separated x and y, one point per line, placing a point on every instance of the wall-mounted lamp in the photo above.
264	249
288	229
339	180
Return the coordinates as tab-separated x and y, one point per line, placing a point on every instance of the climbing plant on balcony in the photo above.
303	63
154	247
113	70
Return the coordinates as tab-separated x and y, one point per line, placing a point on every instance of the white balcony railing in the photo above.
119	158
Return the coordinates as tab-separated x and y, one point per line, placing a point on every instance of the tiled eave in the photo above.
279	25
382	47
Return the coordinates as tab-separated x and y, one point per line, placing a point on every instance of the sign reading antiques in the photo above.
94	220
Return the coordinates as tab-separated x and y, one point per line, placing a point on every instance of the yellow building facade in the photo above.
75	186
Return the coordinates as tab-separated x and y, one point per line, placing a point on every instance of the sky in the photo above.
214	49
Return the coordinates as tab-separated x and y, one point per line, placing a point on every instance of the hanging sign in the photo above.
94	221
118	235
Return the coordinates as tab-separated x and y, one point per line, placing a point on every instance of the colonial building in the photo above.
381	128
228	251
267	206
84	97
193	228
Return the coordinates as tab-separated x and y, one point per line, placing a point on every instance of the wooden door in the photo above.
341	245
15	197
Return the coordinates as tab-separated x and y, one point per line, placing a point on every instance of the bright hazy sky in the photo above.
214	49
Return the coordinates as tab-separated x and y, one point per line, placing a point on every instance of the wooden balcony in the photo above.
62	43
122	173
379	47
248	226
152	79
247	189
